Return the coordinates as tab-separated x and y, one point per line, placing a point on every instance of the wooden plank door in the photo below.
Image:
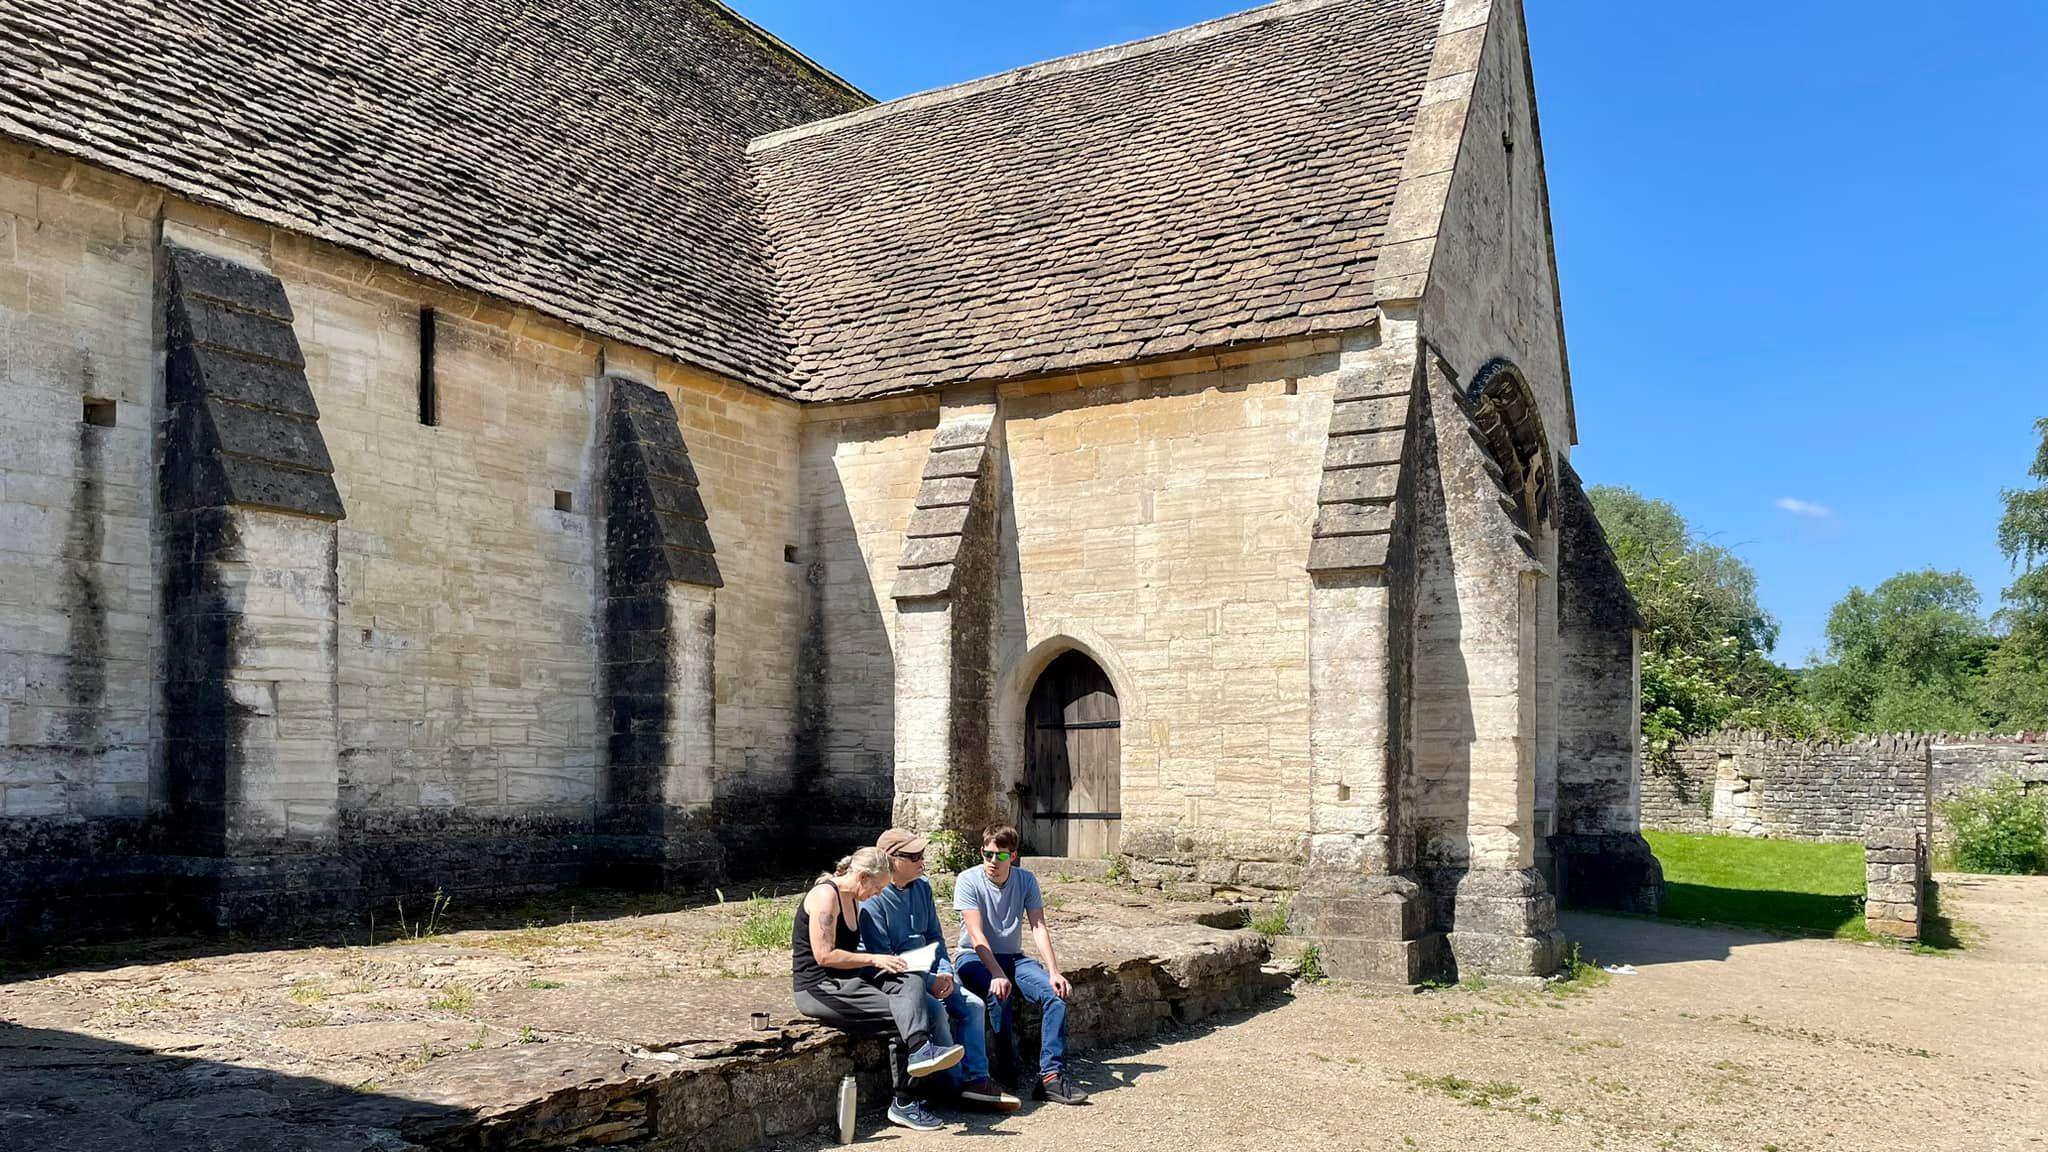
1073	743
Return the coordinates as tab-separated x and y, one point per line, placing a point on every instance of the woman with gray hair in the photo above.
864	992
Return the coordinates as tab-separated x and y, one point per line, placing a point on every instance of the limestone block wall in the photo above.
861	470
468	626
464	576
1160	517
78	579
1163	516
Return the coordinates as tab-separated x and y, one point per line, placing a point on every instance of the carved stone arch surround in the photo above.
1020	666
1509	422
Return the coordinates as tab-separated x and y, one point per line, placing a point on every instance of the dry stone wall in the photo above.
1748	784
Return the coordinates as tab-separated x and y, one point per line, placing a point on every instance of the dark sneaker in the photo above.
932	1058
1061	1090
984	1093
913	1116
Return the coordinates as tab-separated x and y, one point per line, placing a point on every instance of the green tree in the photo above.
1906	656
1706	640
2016	677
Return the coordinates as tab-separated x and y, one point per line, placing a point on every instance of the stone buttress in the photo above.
1360	898
660	580
247	530
945	603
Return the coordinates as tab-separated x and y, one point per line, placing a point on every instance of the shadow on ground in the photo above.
1822	914
1102	1071
66	1092
1643	941
387	925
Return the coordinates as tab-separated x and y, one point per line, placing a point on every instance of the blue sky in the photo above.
1803	248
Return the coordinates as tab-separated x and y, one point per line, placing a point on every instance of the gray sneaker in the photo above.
932	1058
913	1115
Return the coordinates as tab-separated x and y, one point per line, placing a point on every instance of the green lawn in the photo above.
1784	885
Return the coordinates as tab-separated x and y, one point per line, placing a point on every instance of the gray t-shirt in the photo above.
1002	908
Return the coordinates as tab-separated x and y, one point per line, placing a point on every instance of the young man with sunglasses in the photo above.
995	901
904	916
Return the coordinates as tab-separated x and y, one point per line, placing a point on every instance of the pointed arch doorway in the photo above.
1073	753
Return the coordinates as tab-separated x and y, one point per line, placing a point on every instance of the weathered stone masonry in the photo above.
1266	445
661	576
1749	784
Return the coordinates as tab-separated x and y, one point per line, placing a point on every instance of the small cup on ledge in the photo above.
760	1021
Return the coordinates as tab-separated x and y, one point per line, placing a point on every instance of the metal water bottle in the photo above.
849	1101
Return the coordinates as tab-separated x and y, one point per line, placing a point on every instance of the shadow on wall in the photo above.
67	1092
1010	644
842	782
1442	731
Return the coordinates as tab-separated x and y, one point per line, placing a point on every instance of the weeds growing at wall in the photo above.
947	853
1272	922
764	924
2000	827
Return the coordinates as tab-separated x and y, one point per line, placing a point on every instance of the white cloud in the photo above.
1805	508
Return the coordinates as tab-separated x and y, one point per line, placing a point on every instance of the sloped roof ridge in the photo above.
778	44
1094	57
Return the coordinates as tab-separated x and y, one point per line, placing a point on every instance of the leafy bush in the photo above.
1999	828
947	853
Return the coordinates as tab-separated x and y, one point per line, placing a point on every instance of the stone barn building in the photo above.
487	446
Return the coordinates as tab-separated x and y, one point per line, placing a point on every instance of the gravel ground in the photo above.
1722	1040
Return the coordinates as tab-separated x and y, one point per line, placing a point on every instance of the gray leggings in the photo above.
891	1003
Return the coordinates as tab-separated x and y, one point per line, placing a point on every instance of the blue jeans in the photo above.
971	1032
1030	980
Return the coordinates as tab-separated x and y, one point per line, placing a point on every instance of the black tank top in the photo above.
805	973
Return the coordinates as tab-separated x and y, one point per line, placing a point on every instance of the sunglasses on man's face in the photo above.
917	856
992	854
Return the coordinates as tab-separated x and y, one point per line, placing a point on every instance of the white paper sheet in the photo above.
921	959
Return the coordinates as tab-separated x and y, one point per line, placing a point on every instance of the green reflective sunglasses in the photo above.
991	854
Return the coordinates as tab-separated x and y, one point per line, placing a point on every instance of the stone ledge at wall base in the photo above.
725	1093
1613	871
1374	929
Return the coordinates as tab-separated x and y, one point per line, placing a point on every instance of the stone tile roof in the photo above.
1222	184
583	157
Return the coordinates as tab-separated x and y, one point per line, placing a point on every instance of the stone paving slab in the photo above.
632	1031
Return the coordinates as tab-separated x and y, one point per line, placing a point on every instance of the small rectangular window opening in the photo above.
563	501
789	553
430	400
99	413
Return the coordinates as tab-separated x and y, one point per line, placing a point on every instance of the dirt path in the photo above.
1723	1040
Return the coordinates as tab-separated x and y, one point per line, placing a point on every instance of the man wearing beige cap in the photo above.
904	916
